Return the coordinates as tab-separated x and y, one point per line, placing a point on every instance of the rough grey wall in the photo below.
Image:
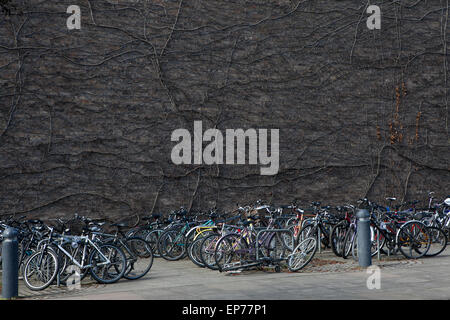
86	115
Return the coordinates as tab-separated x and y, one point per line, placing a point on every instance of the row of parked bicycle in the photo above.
267	235
255	235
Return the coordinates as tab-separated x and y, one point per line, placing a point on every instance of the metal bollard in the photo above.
10	264
363	238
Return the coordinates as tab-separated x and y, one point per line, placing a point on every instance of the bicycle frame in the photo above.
86	242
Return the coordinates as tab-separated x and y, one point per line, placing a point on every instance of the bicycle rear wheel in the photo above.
139	258
337	237
152	239
232	253
349	240
207	249
413	239
171	245
104	271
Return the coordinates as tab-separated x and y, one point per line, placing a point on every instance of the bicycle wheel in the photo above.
152	239
231	253
438	241
305	232
302	254
194	252
139	257
171	245
277	246
189	238
337	237
104	271
207	249
349	240
413	239
40	269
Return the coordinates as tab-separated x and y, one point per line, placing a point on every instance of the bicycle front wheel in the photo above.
108	264
139	258
40	269
302	254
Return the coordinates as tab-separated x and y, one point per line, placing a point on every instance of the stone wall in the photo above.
86	115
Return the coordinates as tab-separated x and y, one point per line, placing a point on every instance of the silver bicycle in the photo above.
106	262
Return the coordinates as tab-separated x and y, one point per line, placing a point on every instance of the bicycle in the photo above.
105	262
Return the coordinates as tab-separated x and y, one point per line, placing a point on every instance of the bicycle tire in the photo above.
350	237
194	254
171	245
337	237
232	253
308	230
438	242
207	247
152	239
137	253
306	248
118	264
411	238
50	260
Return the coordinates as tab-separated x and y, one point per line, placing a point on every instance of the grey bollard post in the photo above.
363	238
10	264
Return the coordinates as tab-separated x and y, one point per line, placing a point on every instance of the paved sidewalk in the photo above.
402	279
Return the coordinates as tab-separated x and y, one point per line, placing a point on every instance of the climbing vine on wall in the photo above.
86	115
